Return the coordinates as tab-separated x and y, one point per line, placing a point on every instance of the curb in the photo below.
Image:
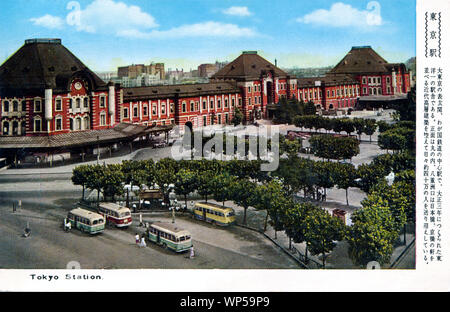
303	265
407	248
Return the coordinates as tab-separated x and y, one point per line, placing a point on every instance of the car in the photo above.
159	144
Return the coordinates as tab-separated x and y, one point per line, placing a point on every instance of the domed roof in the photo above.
44	63
248	66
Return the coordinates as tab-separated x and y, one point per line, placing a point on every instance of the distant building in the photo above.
134	71
207	70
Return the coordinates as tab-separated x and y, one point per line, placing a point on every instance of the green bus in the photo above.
86	221
169	236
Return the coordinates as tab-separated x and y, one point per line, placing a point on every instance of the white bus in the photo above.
86	221
169	236
115	214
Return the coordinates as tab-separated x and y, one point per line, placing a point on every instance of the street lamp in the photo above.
98	149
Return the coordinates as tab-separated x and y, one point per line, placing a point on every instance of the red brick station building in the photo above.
52	103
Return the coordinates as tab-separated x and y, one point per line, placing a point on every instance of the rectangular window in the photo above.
172	108
211	105
37	106
219	104
37	125
86	102
145	110
204	121
154	109
204	105
232	102
58	124
183	107
226	103
58	105
163	109
135	111
102	119
102	101
125	113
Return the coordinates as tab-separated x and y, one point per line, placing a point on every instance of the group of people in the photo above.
140	240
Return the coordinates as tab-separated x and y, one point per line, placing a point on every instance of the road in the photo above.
46	201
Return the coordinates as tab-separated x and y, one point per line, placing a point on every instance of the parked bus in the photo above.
115	214
169	236
213	213
86	221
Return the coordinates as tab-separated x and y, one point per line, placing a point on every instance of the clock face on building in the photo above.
78	85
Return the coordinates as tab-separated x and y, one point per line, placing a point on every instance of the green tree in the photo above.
295	225
310	108
204	178
80	176
370	126
372	234
269	196
112	180
237	117
345	176
165	176
221	187
369	175
243	195
95	181
322	230
186	183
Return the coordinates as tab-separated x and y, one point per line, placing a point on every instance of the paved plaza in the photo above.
48	193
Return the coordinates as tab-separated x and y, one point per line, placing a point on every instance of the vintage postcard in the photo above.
266	146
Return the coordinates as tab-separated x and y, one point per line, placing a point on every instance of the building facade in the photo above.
45	90
42	95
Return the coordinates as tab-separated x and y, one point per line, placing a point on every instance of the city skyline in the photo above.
109	33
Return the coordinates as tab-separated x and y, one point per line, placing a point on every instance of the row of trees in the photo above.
337	148
287	109
243	183
338	125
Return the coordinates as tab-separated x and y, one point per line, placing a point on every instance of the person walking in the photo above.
191	252
143	244
137	238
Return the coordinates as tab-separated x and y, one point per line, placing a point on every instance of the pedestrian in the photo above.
320	195
137	238
143	244
68	226
191	255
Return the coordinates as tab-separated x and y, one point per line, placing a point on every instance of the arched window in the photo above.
23	128
58	123
15	106
6	106
71	124
5	128
24	106
86	102
86	122
37	124
78	101
78	124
